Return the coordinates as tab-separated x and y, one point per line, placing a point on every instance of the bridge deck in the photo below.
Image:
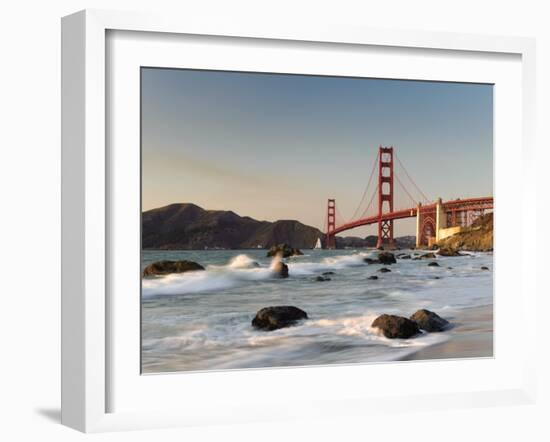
484	203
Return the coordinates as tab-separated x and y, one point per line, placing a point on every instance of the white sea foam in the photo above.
242	262
213	329
358	328
241	270
327	264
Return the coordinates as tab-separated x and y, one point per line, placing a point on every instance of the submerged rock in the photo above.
284	250
429	255
384	270
433	264
393	326
280	269
327	273
386	258
429	321
273	318
322	279
484	268
448	251
404	256
373	277
166	267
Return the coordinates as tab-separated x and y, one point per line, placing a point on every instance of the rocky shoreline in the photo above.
465	340
275	317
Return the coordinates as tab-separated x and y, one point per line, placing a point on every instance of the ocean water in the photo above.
202	320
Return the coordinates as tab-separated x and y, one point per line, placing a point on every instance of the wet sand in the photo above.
471	336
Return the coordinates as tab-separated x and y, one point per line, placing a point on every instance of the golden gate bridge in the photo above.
435	220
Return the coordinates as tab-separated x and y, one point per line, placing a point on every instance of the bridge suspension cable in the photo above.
364	214
366	188
339	217
425	198
406	191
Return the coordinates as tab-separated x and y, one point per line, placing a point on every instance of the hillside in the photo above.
477	237
187	226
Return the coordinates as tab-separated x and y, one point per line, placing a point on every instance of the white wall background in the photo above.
30	214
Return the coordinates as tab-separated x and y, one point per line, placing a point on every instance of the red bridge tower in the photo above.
385	195
331	224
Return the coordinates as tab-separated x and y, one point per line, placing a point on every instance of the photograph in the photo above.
294	220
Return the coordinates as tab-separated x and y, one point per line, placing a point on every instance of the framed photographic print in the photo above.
247	207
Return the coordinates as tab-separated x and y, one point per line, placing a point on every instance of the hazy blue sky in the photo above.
277	146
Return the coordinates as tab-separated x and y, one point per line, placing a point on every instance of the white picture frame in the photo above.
86	208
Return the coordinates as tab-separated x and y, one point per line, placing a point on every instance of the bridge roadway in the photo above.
459	205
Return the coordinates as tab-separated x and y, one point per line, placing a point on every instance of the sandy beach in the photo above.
471	336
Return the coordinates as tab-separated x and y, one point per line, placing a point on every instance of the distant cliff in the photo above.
188	226
477	237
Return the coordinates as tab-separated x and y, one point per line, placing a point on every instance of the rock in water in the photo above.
280	269
284	250
484	268
396	326
372	277
273	318
322	278
429	321
384	270
167	267
433	264
448	251
386	258
429	255
404	256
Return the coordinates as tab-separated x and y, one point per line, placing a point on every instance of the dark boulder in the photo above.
384	270
386	258
166	267
484	268
280	269
284	250
321	279
371	261
372	277
433	264
429	321
448	251
273	318
396	326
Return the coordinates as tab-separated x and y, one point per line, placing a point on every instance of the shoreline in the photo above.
471	336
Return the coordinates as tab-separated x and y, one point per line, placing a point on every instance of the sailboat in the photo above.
318	244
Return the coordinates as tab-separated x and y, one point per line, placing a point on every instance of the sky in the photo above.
277	146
